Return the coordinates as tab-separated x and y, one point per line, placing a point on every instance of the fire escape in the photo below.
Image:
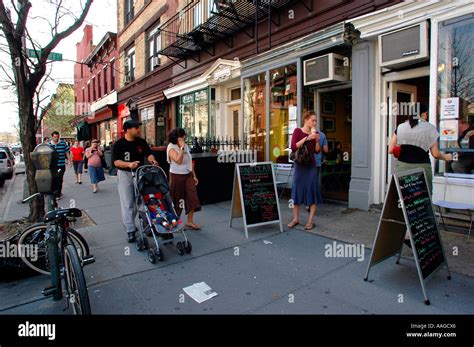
202	23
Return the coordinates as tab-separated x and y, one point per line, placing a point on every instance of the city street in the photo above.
269	273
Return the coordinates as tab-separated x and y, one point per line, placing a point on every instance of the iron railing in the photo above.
201	23
216	144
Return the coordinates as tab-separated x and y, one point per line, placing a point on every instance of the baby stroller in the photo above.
151	184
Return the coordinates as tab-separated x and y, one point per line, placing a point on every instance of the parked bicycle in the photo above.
61	252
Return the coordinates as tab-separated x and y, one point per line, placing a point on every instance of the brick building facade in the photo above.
95	85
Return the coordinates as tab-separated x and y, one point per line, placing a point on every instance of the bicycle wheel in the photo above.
75	282
38	259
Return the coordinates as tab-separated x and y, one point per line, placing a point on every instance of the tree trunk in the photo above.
28	142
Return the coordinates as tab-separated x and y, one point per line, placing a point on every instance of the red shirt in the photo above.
77	153
297	136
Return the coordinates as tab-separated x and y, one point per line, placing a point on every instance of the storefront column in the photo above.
362	126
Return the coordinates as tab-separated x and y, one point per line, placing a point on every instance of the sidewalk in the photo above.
271	272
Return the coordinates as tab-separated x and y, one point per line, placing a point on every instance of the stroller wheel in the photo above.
188	247
180	248
151	256
159	255
139	244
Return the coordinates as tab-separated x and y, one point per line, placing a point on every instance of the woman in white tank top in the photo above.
183	180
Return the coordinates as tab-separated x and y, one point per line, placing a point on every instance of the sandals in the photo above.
293	224
309	226
193	226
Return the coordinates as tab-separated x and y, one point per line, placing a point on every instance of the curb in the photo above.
6	198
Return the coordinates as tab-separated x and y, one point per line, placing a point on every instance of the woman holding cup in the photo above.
304	189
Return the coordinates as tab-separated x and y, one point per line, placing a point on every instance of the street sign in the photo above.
52	56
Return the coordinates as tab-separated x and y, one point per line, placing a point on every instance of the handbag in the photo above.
302	156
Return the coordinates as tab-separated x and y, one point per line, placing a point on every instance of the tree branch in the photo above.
39	71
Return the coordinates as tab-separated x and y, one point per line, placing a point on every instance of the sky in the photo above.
102	16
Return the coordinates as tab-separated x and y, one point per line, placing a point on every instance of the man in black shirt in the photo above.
128	154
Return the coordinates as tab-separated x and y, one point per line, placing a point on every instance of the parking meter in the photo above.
45	160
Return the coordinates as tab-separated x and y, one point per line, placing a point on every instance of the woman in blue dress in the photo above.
304	189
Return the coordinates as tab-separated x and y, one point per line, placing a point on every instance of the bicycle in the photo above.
58	244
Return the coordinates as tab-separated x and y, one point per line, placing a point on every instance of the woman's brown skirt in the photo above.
184	193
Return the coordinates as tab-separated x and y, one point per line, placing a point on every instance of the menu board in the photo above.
255	196
421	221
408	209
258	193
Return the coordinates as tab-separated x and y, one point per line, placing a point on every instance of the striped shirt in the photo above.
62	148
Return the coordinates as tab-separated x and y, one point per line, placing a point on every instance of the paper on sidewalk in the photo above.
200	292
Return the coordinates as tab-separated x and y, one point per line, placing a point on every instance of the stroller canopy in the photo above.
153	181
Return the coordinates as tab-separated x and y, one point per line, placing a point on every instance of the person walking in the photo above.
87	144
304	188
94	156
411	142
77	160
128	154
63	158
182	176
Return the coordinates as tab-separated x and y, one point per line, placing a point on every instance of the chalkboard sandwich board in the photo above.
408	210
255	196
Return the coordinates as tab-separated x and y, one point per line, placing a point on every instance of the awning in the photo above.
335	35
101	115
78	119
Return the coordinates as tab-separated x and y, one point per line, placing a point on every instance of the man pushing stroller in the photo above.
129	153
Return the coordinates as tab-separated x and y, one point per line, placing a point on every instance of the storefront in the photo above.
422	54
209	106
312	73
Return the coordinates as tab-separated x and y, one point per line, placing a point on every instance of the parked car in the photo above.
9	152
6	167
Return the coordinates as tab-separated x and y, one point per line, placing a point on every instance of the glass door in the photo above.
401	103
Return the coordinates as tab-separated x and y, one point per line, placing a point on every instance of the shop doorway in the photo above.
334	110
404	99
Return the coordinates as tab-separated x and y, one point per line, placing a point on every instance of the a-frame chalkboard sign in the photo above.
255	196
408	210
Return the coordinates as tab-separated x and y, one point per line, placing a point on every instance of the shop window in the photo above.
147	117
254	114
283	108
456	95
194	114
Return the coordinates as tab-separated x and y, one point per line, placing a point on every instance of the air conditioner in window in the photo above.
326	68
405	46
156	61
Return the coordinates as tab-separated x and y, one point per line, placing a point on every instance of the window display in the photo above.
456	94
